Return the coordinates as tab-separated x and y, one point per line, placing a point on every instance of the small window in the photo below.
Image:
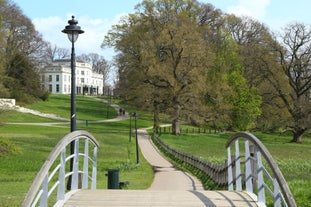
50	88
57	78
57	88
50	78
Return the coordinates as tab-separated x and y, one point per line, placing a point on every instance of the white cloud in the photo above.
253	8
88	42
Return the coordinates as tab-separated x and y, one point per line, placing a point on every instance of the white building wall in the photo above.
56	78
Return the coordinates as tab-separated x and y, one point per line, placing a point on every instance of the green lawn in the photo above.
34	143
294	160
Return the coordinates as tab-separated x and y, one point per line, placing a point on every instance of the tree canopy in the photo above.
175	47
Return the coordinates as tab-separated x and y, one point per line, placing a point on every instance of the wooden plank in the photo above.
122	198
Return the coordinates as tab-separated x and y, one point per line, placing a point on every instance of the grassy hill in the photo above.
30	145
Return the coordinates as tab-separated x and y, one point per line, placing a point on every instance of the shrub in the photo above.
7	148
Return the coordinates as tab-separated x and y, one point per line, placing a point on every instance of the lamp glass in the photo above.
73	36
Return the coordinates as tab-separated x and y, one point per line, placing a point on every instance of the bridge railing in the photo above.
55	171
256	172
243	171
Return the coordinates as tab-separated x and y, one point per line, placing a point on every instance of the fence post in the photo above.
61	176
248	170
276	193
238	175
45	192
85	165
230	176
94	170
260	180
75	169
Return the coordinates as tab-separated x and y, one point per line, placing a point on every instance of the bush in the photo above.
8	148
44	96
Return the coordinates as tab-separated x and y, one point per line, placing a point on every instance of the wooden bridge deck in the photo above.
122	198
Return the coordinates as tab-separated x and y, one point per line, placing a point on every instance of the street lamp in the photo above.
73	31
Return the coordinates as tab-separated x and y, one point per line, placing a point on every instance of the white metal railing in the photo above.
247	172
45	182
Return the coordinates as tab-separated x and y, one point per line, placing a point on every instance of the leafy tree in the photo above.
3	91
233	103
22	48
163	38
294	57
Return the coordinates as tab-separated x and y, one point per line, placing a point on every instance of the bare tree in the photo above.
99	64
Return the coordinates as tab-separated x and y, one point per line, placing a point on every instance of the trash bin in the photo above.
113	179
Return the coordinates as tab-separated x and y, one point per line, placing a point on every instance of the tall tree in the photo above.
4	92
294	56
23	45
171	52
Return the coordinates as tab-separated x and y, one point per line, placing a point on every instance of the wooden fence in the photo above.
218	173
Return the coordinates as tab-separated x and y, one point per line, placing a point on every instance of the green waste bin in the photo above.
113	179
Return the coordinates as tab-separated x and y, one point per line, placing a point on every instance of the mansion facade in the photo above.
56	78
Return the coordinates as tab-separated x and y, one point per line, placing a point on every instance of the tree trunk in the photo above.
175	121
156	119
298	133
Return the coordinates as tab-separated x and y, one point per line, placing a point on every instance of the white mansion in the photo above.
56	78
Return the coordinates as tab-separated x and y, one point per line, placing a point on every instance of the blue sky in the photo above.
97	16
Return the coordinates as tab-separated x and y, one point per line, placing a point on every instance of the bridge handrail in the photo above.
41	181
277	180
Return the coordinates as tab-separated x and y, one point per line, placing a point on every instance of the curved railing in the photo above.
243	171
45	182
256	178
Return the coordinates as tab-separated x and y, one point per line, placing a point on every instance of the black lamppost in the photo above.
137	153
73	31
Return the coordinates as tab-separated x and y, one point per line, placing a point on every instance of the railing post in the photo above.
248	170
238	176
230	176
75	169
45	192
276	194
85	165
61	176
94	170
260	180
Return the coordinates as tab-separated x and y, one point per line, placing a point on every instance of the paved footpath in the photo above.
167	177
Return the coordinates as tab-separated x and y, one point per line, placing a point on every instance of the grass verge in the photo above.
294	160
